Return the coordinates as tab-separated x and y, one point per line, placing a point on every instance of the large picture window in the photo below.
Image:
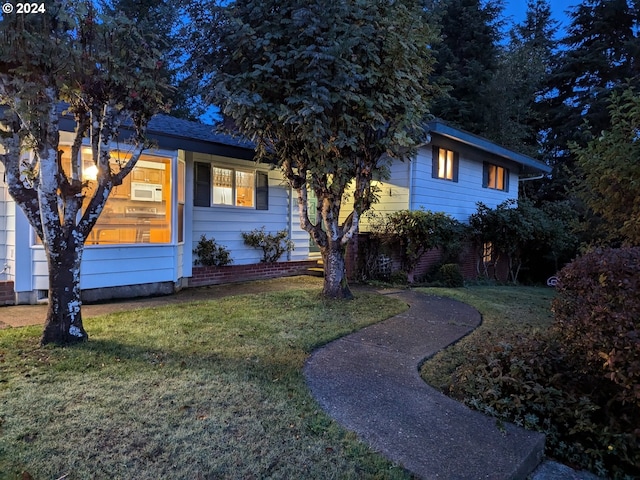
136	212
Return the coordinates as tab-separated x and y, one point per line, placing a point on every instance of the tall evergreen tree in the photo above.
601	55
467	59
519	81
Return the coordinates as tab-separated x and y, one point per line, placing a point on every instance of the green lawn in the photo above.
193	391
504	310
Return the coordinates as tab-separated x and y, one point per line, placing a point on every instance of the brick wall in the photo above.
468	261
7	295
240	273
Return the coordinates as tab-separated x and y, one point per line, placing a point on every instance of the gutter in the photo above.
526	179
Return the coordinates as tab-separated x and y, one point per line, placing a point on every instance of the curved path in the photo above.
369	382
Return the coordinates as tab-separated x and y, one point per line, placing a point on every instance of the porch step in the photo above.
317	271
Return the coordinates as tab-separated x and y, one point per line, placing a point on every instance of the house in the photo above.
453	171
196	182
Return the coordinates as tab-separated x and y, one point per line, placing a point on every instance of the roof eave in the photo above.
441	128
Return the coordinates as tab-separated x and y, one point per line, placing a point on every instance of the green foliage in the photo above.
106	72
609	173
210	254
579	381
513	119
418	231
524	233
273	245
467	59
359	102
450	276
597	58
597	311
532	381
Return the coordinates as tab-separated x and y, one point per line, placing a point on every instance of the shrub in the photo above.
524	234
417	232
272	245
449	275
597	311
210	254
532	381
399	277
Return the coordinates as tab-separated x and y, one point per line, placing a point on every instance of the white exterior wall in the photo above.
393	195
226	223
411	186
7	231
457	199
106	266
300	237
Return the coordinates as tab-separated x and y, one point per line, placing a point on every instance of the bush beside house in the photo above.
579	382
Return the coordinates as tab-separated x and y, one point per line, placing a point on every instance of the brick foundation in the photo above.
7	294
240	273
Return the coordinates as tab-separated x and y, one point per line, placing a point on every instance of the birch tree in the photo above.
330	91
105	76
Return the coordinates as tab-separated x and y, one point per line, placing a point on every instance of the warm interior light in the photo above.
90	173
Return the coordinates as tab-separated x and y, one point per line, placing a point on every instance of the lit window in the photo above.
233	187
496	177
222	186
487	252
445	164
138	210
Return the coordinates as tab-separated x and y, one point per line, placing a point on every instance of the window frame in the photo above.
435	164
486	177
204	174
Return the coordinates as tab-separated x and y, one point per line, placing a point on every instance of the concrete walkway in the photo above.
369	382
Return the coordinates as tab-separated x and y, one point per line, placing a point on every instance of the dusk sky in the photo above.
517	8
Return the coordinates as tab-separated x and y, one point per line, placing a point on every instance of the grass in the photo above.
504	310
203	390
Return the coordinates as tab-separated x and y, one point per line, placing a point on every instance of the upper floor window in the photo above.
229	186
445	164
496	177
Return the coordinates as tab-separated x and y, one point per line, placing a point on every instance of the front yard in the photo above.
505	311
204	390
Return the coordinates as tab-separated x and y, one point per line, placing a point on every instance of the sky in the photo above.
517	8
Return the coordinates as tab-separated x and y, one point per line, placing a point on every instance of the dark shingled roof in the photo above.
166	125
173	133
176	133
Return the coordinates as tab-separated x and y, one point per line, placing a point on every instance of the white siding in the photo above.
457	199
226	223
393	195
7	230
111	266
300	237
411	186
